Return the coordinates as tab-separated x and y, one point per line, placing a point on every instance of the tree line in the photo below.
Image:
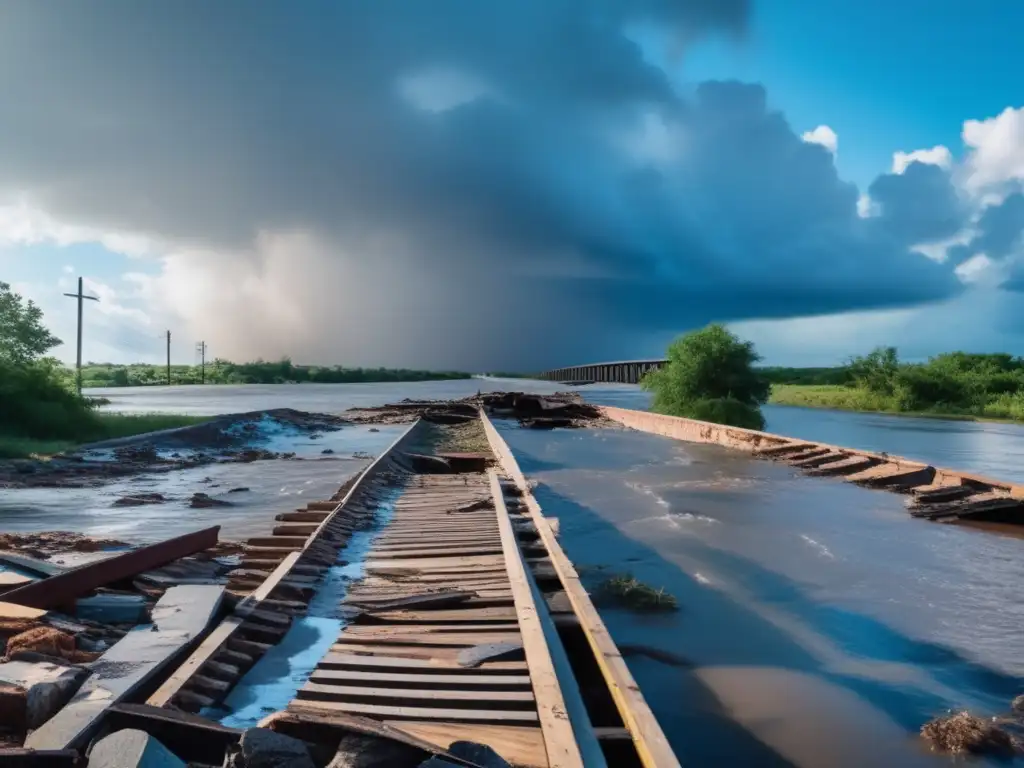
258	372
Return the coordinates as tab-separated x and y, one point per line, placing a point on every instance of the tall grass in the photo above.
104	426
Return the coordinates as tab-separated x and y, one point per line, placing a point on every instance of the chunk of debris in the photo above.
262	748
205	501
241	489
49	642
130	748
478	654
35	691
139	499
964	733
427	464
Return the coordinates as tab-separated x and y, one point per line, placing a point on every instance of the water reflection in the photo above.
820	618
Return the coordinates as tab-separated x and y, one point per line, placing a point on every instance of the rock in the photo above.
139	499
45	689
130	748
1018	704
242	489
204	501
262	748
373	429
327	451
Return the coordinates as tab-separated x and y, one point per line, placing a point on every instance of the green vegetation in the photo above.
710	376
40	412
107	426
258	372
954	384
626	591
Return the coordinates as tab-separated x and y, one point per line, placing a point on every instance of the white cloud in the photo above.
866	207
996	149
824	136
937	155
23	224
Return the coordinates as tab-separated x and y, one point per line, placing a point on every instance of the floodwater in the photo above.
819	623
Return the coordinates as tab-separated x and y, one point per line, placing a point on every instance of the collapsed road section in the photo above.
465	637
935	493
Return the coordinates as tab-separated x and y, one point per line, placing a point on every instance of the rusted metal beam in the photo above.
65	587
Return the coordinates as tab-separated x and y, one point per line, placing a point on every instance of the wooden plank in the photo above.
438	551
424	679
455	615
648	737
520	746
31	564
339	659
180	616
559	739
451	638
399	696
220	635
385	712
65	587
431	562
13	611
378	630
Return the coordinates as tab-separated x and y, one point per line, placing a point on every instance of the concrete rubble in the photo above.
33	692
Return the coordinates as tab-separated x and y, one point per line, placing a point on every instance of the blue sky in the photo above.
309	191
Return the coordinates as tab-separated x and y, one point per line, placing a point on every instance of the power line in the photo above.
201	351
168	358
81	298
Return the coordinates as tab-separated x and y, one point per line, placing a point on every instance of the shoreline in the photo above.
787	401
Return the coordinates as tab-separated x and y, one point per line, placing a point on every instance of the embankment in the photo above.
941	494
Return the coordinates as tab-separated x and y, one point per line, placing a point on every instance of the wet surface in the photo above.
822	623
272	487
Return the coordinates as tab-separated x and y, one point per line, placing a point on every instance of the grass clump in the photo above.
103	426
626	591
964	733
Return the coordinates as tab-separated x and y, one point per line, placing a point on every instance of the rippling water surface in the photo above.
822	624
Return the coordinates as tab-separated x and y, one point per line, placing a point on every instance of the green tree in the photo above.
710	376
23	337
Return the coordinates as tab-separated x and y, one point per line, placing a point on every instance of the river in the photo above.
820	625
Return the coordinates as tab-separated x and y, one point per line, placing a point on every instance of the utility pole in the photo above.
201	350
81	298
168	358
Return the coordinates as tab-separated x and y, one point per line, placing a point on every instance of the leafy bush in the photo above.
710	376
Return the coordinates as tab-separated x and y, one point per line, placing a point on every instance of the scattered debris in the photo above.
47	543
60	589
228	438
626	591
962	732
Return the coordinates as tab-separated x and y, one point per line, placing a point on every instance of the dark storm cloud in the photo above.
528	208
918	205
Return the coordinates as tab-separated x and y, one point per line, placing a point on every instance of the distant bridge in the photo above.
622	372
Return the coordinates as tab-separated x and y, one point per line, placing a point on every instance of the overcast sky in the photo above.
479	185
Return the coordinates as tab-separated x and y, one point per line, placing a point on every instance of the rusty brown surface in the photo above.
64	588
